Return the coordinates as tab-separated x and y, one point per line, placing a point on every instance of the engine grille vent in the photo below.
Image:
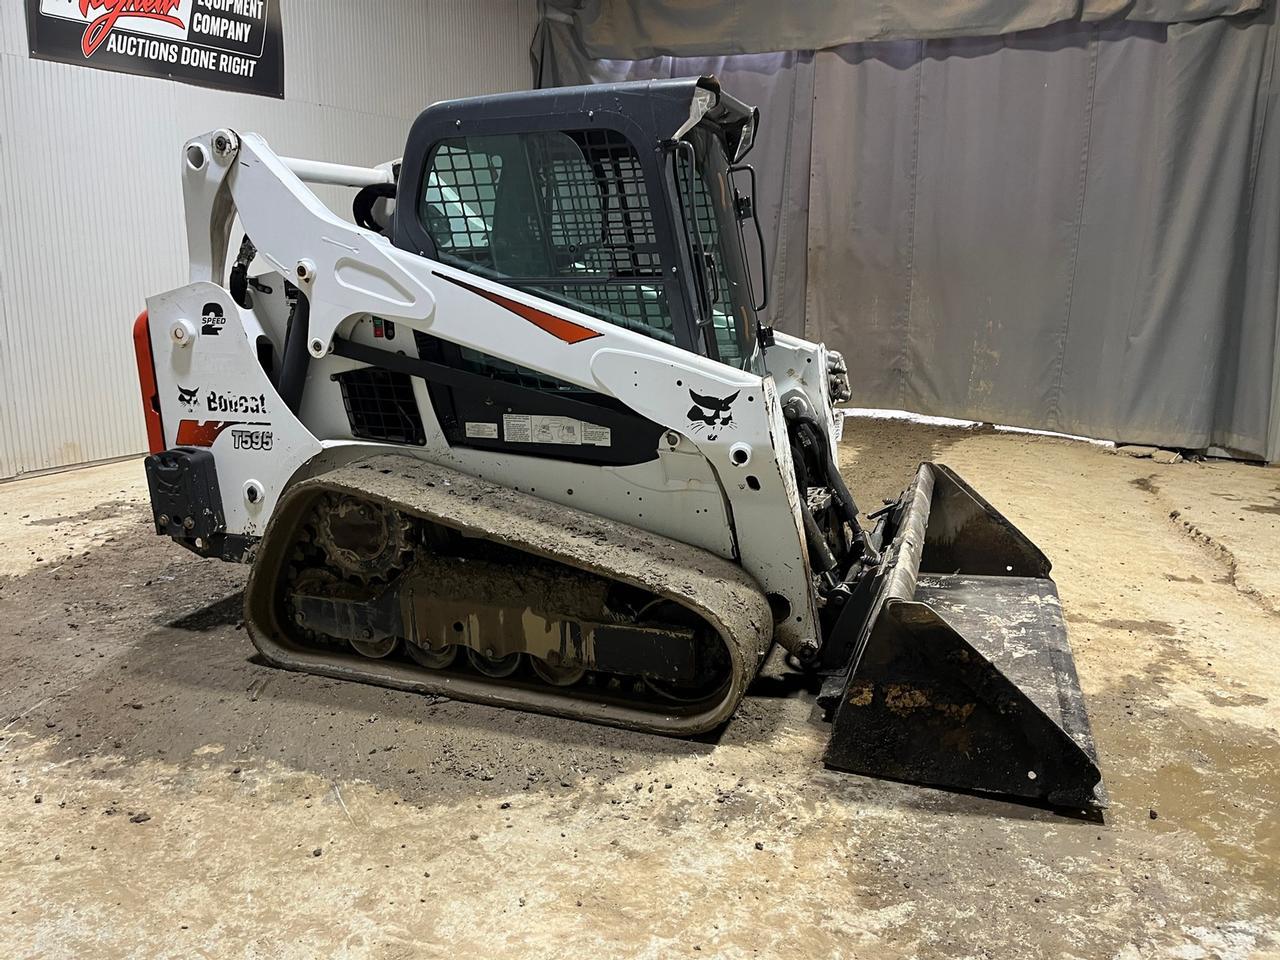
381	406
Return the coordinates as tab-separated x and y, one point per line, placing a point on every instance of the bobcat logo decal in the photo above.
187	397
712	414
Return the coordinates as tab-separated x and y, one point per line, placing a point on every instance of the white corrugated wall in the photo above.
91	203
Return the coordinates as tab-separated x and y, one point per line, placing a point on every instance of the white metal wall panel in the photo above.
13	30
91	205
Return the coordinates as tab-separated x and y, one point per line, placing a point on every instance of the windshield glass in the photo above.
726	285
562	214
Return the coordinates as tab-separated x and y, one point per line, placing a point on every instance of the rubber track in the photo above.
719	591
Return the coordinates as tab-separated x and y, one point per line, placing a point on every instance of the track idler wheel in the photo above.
376	649
433	659
496	667
558	675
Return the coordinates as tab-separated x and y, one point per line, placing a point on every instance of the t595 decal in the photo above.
246	436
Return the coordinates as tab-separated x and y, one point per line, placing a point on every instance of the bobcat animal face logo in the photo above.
187	397
711	414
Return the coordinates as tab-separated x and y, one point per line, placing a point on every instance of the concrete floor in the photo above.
164	794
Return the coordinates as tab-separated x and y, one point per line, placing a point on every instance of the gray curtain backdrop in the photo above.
638	29
1074	228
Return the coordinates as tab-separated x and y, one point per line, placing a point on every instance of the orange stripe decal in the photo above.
201	433
147	381
558	327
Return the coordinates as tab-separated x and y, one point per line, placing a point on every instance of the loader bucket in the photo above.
962	675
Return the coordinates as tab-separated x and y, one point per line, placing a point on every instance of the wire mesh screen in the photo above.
563	214
458	201
381	406
727	347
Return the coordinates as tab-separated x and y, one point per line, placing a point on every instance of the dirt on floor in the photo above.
164	793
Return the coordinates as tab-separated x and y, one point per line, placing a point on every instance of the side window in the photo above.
562	214
703	213
458	201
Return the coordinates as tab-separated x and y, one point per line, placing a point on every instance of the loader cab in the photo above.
618	200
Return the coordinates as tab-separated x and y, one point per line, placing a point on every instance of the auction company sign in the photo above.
228	44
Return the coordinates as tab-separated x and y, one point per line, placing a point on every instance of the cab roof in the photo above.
662	109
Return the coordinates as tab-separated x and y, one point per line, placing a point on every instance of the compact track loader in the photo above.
518	436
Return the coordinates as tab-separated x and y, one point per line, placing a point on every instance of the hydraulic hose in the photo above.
813	432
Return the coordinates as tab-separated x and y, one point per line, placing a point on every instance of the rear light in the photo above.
147	380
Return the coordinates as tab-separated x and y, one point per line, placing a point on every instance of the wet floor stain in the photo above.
1237	700
107	510
1193	793
1271	508
1157	628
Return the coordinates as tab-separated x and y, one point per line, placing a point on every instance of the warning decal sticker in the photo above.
538	428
